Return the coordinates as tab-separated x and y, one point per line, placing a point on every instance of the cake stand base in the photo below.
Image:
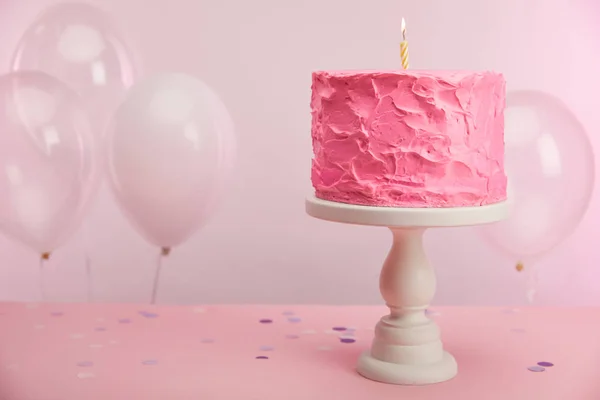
407	374
406	349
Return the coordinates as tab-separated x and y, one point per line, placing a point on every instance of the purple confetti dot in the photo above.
288	313
125	321
207	341
294	319
57	314
536	368
339	328
266	348
266	321
347	340
85	364
292	336
262	358
150	362
545	364
147	314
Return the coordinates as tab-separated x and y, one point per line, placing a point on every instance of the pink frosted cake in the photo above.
408	138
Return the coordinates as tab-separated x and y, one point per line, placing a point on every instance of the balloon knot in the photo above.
519	267
165	251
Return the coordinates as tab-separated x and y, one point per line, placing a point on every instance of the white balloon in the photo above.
170	150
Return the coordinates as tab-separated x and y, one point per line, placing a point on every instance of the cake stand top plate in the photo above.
405	217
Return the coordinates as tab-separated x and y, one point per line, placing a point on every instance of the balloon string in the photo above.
159	261
41	281
88	277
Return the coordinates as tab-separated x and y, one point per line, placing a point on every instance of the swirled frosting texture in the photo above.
408	138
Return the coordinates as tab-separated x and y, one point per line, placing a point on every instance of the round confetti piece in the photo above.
147	314
545	364
294	319
347	340
292	336
536	368
85	364
262	358
150	362
338	328
266	321
266	348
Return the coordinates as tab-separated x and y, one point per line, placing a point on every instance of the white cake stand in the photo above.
407	349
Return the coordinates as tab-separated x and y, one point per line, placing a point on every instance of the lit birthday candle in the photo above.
404	46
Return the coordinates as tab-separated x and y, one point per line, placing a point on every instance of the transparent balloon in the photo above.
80	45
171	148
550	166
48	160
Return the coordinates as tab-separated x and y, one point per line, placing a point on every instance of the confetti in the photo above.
536	368
85	375
76	336
347	340
339	328
85	364
266	348
545	364
147	314
266	321
294	320
262	358
150	362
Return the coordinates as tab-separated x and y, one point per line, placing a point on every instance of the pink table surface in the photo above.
128	352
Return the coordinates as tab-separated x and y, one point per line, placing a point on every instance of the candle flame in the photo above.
403	29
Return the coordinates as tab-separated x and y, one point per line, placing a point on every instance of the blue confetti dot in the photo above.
85	364
294	319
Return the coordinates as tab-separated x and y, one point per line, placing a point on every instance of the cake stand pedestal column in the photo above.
407	349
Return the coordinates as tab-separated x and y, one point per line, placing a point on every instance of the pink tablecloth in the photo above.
126	352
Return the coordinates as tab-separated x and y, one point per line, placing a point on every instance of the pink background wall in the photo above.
258	55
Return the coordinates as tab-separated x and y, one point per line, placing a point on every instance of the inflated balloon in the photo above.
80	45
550	167
47	160
170	151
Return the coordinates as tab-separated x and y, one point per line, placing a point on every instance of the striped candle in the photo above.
404	46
